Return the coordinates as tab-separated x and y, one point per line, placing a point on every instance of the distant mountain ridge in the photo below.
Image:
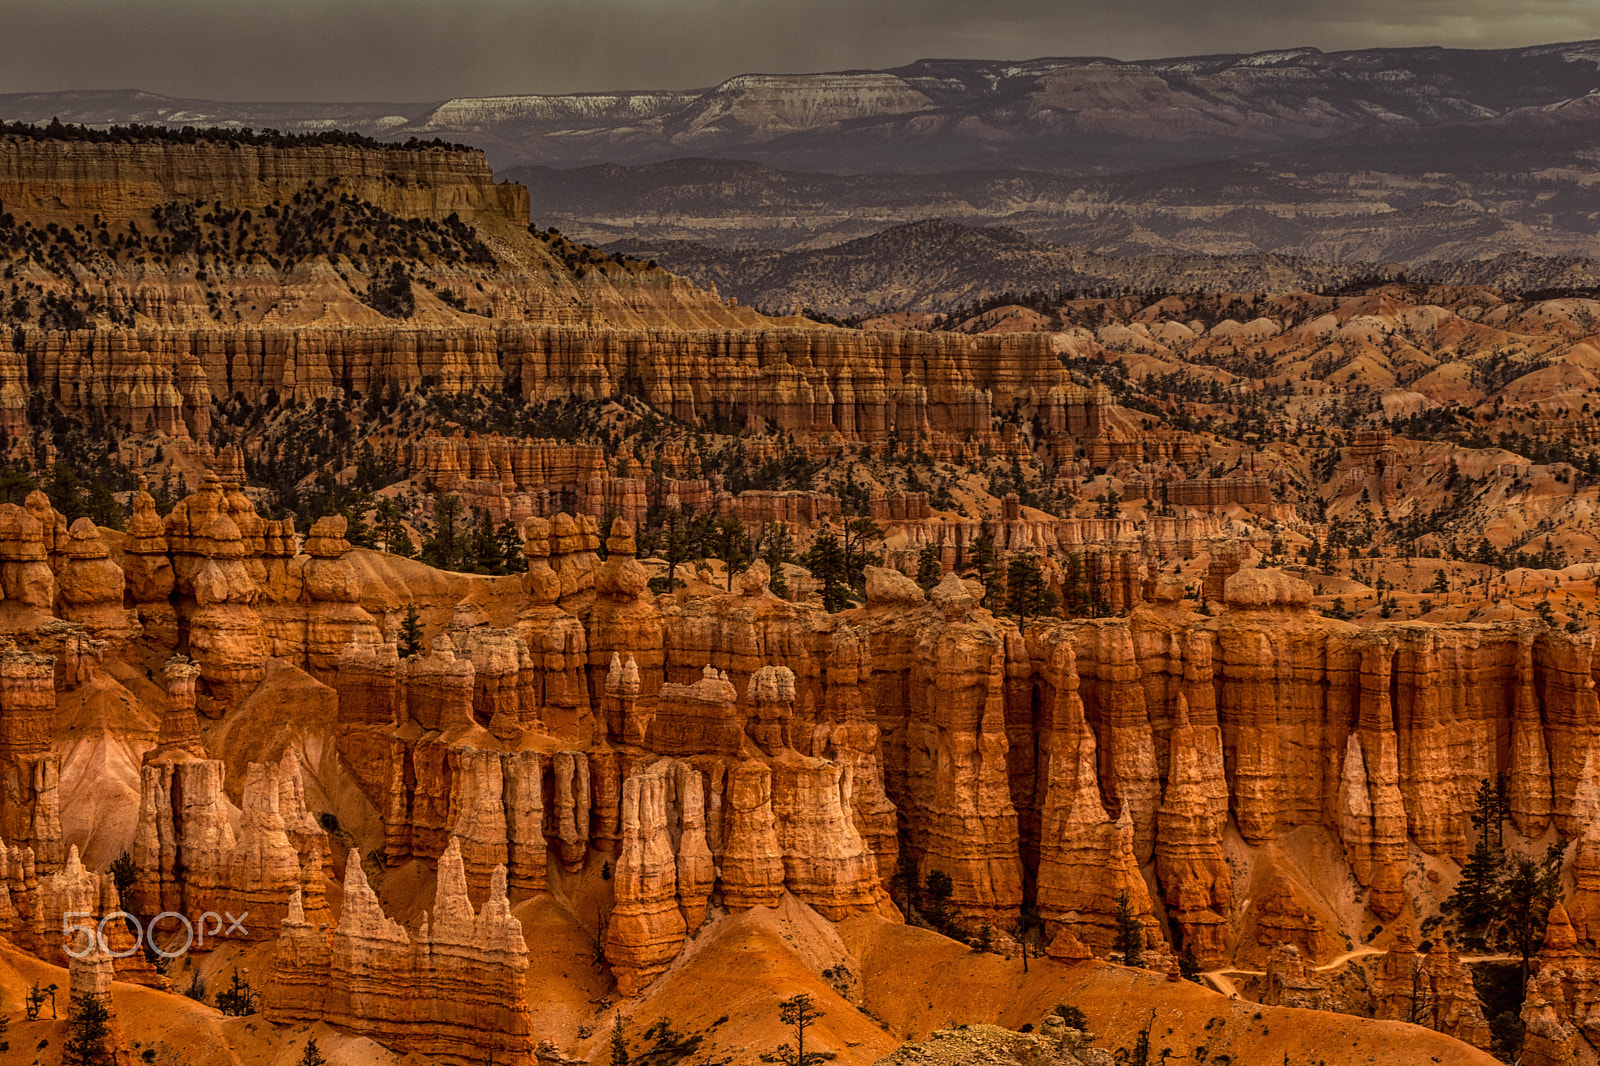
1074	115
1410	155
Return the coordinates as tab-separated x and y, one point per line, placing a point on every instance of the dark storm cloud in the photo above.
419	51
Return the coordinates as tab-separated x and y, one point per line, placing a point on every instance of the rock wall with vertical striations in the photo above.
455	991
729	748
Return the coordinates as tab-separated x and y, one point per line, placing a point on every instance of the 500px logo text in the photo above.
210	924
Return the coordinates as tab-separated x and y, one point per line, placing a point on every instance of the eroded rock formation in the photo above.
455	991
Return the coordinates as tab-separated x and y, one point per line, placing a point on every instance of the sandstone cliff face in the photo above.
648	925
956	777
1198	886
1086	859
869	386
30	771
76	178
183	839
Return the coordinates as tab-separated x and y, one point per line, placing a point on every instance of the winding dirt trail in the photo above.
1223	983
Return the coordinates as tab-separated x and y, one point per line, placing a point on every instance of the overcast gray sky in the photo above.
424	50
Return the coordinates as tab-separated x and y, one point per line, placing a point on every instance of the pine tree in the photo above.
800	1013
983	561
1027	593
123	873
89	1030
1130	931
411	632
1477	896
826	562
676	539
103	508
443	549
858	532
238	999
313	1055
396	541
731	544
1528	891
929	567
33	1004
508	546
482	550
356	530
619	1046
777	549
905	877
65	491
939	888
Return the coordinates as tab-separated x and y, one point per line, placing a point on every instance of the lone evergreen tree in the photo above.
1492	807
1477	898
675	544
983	561
88	1032
800	1013
858	531
313	1055
508	547
34	1003
123	873
731	545
777	549
826	562
1027	593
238	999
905	875
481	551
356	530
391	531
1530	888
443	549
939	888
411	632
619	1045
1130	931
929	568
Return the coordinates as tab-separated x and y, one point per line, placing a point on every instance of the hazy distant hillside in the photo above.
935	265
1068	115
1456	192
